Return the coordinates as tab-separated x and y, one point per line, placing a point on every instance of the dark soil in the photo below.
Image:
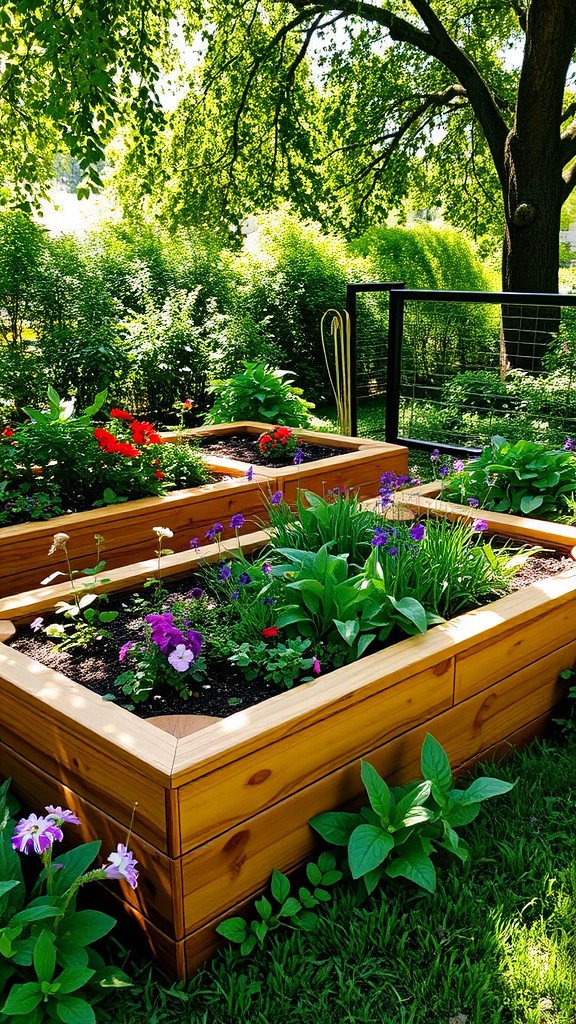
244	448
227	690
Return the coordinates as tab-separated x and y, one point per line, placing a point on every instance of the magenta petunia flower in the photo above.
124	650
316	667
34	833
122	865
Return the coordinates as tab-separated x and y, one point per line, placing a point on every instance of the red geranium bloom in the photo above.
265	439
105	439
270	631
159	474
144	433
125	448
7	432
283	433
119	414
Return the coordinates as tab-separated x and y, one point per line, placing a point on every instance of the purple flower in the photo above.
316	667
276	498
435	455
34	833
418	531
237	521
266	568
194	543
225	572
458	465
444	470
122	865
196	593
193	640
36	623
250	472
473	502
244	579
479	525
234	595
298	457
61	814
165	634
181	658
214	531
570	445
381	536
268	601
123	652
393	552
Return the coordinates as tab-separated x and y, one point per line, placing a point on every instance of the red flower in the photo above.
159	474
125	448
119	414
7	432
105	439
144	433
265	439
283	433
270	631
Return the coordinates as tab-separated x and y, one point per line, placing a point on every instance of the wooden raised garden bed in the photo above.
127	527
215	812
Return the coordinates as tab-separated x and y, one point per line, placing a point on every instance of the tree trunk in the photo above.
534	189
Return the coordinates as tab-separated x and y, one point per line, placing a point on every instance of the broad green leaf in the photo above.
235	929
416	866
22	999
290	907
314	874
280	886
44	956
335	827
264	908
74	863
435	764
72	1010
485	788
73	978
529	504
377	791
368	847
348	630
86	926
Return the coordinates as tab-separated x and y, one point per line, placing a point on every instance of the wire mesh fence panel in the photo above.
468	366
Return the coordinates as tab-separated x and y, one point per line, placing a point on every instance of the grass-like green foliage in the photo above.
338	520
523	479
494	944
259	392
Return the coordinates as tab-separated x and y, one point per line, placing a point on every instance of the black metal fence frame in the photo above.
398	296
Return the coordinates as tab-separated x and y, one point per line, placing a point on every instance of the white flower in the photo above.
180	658
58	541
162	531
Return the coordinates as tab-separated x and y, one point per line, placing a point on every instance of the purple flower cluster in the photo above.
39	833
168	637
298	457
237	521
392	482
214	531
570	445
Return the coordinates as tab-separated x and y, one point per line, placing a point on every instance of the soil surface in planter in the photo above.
224	693
244	448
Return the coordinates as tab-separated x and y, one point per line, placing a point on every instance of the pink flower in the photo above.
480	525
122	865
124	650
316	667
34	833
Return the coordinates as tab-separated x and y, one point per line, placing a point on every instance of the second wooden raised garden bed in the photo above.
127	527
215	812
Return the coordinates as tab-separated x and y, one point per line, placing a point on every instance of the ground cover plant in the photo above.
336	581
522	478
495	943
63	461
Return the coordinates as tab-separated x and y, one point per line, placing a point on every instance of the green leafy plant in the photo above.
259	393
50	970
296	912
282	664
568	722
338	521
524	478
397	834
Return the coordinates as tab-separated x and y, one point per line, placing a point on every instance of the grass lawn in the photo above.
495	945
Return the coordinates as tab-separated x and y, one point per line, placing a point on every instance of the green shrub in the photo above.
259	393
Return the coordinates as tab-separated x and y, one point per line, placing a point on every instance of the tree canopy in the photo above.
69	72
